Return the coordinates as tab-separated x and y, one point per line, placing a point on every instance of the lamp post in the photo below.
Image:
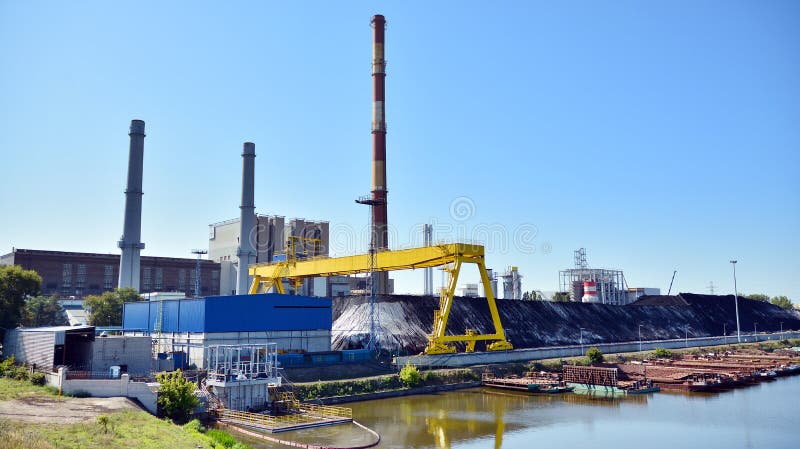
686	335
725	332
736	302
781	330
582	341
640	337
755	330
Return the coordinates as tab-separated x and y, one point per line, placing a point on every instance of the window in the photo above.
80	279
159	278
108	277
182	279
66	278
146	277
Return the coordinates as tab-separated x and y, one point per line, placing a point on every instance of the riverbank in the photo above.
459	360
438	380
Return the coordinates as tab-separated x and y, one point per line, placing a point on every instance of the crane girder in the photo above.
269	275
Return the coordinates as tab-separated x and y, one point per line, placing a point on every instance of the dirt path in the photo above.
46	410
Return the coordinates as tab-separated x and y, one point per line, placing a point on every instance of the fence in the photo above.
310	415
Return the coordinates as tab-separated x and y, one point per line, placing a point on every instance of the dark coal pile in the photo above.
403	322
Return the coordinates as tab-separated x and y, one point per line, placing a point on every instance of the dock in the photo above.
311	415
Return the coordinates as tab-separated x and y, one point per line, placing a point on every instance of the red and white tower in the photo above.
380	237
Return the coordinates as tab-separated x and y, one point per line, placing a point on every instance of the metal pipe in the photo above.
247	221
379	229
130	242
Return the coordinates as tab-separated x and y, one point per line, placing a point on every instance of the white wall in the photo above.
106	388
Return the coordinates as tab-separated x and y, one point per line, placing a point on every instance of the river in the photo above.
761	416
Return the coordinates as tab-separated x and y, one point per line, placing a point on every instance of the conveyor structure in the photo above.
451	256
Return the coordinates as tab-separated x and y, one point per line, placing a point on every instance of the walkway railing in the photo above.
310	414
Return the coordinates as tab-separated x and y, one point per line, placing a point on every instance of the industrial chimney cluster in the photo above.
131	246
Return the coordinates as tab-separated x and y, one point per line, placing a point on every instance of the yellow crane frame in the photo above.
452	256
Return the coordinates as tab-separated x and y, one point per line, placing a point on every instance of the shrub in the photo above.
409	375
594	355
221	438
18	373
102	421
195	425
38	379
6	365
662	353
176	395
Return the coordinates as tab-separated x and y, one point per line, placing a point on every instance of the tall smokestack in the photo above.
379	219
132	229
247	221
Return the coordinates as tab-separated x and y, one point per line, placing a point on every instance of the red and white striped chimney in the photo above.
379	217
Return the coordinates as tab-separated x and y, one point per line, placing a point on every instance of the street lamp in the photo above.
781	330
686	336
582	329
725	332
736	301
755	330
640	337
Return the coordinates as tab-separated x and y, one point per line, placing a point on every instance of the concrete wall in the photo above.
133	351
106	388
523	355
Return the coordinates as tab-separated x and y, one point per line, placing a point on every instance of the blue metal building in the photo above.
294	323
239	313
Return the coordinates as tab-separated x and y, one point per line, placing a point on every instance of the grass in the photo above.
125	429
121	430
14	389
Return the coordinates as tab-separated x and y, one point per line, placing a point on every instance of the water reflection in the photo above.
483	413
760	416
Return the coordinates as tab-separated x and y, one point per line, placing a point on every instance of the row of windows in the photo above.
152	279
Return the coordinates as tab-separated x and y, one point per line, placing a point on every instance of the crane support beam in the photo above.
266	276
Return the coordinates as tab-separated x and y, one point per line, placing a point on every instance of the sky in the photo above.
660	136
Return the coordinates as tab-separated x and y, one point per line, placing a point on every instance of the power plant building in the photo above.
72	274
294	323
269	240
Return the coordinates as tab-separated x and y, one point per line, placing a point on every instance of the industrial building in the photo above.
593	285
294	323
78	349
70	274
269	241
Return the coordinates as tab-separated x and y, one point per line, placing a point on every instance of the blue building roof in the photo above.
238	313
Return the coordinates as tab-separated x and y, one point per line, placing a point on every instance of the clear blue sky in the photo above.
661	136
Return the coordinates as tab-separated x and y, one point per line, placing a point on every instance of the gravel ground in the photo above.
45	410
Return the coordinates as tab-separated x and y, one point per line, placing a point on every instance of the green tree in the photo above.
758	297
176	396
409	375
662	353
532	295
594	355
560	297
43	311
106	309
16	285
783	302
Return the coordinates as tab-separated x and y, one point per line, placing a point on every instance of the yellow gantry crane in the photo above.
452	256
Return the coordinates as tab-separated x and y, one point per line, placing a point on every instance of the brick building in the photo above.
66	274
